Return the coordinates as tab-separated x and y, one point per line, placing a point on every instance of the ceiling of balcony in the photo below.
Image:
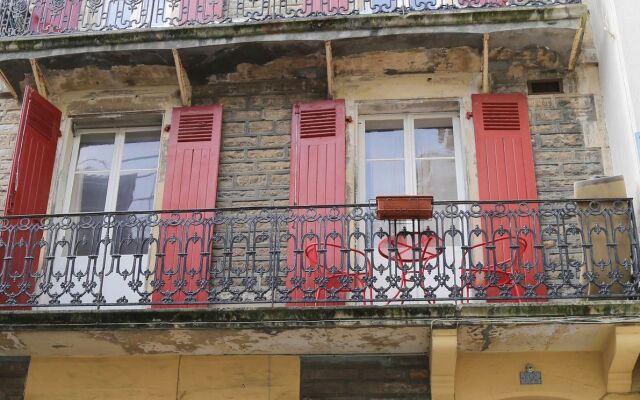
203	61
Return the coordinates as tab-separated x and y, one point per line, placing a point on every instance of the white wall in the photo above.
616	33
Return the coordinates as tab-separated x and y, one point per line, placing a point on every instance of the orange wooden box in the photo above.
404	207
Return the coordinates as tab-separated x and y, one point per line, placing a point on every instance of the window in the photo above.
113	171
411	155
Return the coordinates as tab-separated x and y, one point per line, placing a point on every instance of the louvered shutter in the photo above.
28	193
318	153
506	171
317	177
191	181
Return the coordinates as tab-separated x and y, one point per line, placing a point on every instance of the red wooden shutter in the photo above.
191	181
503	147
506	171
317	177
28	193
318	153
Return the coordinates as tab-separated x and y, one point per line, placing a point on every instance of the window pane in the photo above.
384	139
434	142
385	178
89	192
141	151
437	178
95	153
136	191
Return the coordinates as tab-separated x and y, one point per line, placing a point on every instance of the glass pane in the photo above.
434	142
384	139
141	151
136	191
95	153
437	178
89	192
385	178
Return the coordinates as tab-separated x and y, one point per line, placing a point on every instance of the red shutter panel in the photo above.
318	169
506	171
503	147
317	177
28	193
191	181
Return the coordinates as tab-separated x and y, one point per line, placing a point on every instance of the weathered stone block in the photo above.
261	127
263	154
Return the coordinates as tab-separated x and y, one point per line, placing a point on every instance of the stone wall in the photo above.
562	129
256	129
9	119
561	154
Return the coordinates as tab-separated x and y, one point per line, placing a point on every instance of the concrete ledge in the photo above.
321	28
436	316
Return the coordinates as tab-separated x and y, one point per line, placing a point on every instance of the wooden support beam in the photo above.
577	44
10	87
485	64
183	79
329	56
41	82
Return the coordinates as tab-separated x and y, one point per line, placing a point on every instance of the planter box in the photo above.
404	207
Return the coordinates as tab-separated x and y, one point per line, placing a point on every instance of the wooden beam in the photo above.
329	56
577	44
6	82
41	82
183	79
485	64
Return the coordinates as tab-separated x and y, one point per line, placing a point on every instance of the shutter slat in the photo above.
317	122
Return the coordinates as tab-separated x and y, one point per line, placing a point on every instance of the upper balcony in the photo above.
33	18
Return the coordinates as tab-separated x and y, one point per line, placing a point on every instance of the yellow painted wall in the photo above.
496	376
164	377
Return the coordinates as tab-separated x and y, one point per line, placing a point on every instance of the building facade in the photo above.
614	30
198	202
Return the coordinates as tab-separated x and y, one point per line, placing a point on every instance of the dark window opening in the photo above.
547	86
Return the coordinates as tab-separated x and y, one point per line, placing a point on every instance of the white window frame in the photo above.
114	175
411	184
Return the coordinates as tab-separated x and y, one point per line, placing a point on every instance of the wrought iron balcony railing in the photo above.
468	252
20	18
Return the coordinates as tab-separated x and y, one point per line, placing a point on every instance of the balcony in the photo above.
32	18
338	256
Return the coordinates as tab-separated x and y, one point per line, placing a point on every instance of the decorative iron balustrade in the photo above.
468	252
19	18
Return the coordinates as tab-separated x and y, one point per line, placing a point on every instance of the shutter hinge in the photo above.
348	120
469	115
